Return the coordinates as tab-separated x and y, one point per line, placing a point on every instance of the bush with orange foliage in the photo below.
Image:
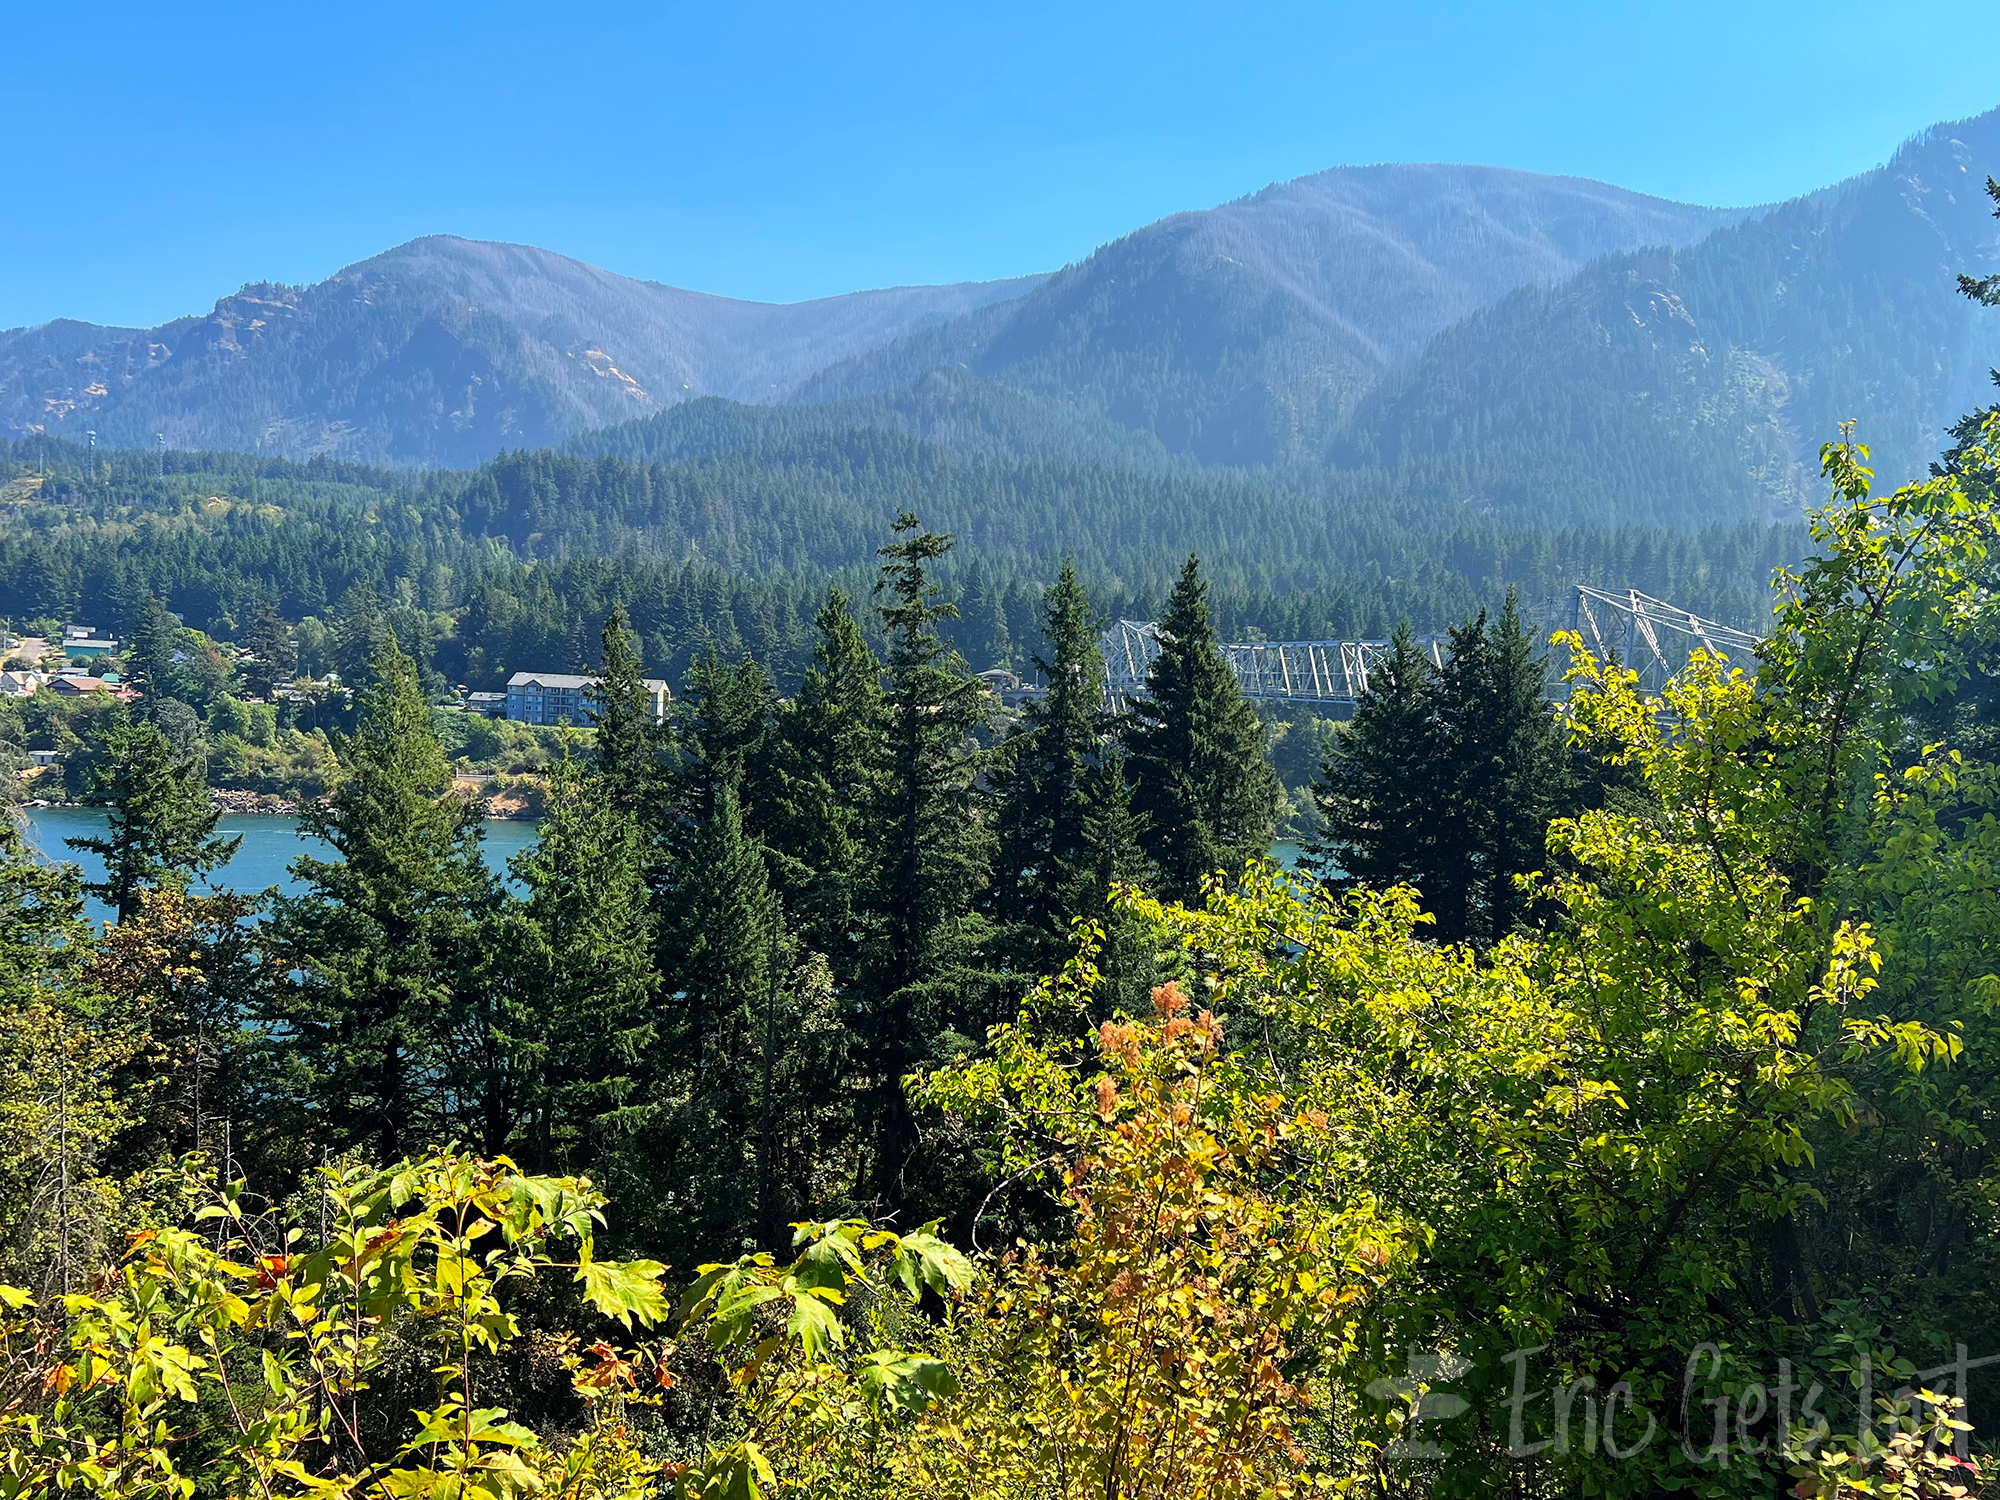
1167	1349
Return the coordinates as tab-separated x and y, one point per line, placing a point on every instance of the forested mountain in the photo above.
1244	333
1205	330
948	406
514	564
1457	392
1449	331
1697	384
441	351
1440	335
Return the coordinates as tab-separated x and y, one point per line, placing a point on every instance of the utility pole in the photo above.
62	1172
161	439
91	433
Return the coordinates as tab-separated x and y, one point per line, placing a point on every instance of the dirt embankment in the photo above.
506	798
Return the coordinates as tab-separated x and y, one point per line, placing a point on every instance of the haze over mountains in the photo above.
441	351
444	350
1545	346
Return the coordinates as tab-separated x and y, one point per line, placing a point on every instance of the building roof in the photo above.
74	682
549	680
569	680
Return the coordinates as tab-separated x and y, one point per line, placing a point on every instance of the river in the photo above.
264	858
270	844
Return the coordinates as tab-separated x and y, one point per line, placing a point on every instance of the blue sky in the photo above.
161	155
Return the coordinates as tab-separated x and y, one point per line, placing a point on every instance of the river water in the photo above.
270	844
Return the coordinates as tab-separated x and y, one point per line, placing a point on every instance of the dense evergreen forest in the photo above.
516	564
858	1093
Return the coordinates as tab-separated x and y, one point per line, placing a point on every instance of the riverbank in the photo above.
505	805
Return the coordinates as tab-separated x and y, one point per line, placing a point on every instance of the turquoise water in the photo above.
270	844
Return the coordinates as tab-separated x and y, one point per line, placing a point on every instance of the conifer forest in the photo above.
863	1087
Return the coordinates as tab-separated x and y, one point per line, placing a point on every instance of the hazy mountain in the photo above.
1494	340
441	351
1699	383
948	406
1246	333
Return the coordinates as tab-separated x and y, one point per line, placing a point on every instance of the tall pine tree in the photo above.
1046	869
270	656
829	770
1382	788
1506	772
161	820
1446	779
576	968
394	1048
720	732
1196	749
152	639
360	636
627	738
921	978
722	939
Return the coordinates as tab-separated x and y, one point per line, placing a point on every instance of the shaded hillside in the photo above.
1245	333
442	351
949	406
1698	384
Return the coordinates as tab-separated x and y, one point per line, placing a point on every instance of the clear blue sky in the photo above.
162	154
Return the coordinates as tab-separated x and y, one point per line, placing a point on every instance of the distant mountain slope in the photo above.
1552	349
441	351
948	406
1698	384
1247	332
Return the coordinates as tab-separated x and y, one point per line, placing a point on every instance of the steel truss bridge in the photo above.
1647	635
1275	671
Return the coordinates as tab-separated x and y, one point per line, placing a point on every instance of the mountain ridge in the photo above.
1547	346
1700	382
440	350
444	350
1244	333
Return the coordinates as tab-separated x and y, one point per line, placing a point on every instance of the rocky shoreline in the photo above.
501	808
231	801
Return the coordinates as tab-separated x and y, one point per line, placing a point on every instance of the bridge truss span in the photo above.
1330	672
1647	635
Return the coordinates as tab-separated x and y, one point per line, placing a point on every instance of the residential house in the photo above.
22	683
75	685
